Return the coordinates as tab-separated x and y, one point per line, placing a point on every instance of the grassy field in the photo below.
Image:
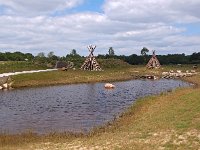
166	121
72	77
109	74
114	70
11	66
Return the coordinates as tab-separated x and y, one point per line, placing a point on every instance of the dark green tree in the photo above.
195	58
111	52
2	57
50	54
75	58
73	52
41	54
29	56
144	52
40	58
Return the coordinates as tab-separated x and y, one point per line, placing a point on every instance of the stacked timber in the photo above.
91	63
153	62
5	83
152	77
178	74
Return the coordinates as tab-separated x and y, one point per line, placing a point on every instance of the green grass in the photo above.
113	70
14	66
70	77
121	71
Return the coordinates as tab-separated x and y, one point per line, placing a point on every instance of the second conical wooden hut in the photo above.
153	62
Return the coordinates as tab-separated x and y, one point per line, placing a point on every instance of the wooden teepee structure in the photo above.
153	62
90	62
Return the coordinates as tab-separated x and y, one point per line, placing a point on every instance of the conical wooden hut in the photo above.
153	62
90	62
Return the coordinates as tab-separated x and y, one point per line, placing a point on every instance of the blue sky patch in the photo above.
191	29
87	6
90	5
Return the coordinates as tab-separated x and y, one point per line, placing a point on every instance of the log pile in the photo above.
153	62
150	77
178	74
5	83
91	63
195	66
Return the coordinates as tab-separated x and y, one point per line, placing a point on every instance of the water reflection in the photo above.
73	108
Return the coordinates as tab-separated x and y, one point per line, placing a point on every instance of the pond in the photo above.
73	108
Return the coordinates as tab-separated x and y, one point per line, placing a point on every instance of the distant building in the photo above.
61	64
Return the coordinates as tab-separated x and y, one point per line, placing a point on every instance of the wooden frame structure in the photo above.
90	63
153	62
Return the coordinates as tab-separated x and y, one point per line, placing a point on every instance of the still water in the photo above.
74	108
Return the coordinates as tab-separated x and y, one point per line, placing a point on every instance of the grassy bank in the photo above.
70	77
113	71
117	73
166	121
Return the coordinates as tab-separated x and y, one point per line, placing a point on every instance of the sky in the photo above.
167	26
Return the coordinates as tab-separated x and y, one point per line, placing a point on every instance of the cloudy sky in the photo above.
33	26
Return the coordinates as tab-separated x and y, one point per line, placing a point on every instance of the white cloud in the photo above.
35	7
153	10
126	25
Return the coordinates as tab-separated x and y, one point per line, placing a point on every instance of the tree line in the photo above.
163	59
15	56
76	58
